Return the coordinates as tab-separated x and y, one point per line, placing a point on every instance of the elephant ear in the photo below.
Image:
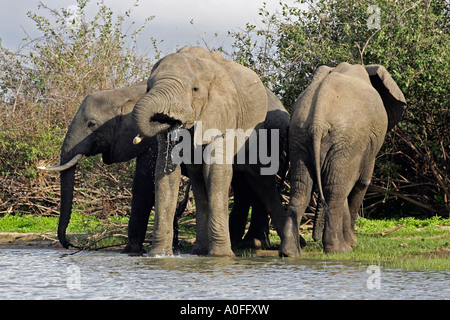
221	110
393	98
128	96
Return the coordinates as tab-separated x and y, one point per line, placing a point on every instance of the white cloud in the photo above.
171	23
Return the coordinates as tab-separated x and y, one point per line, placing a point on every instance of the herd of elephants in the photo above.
328	143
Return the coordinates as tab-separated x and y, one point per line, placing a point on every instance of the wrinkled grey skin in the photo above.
244	196
103	125
196	85
337	127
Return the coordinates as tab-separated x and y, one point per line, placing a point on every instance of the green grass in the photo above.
34	224
87	232
417	244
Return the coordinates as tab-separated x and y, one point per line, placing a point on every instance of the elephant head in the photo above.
103	125
196	85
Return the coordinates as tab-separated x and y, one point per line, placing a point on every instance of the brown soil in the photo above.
48	240
438	253
25	240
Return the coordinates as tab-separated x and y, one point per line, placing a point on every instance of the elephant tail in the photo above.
317	139
323	210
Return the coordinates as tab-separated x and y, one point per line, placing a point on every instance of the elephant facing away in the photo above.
337	127
195	86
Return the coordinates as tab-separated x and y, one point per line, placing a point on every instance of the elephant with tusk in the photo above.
103	125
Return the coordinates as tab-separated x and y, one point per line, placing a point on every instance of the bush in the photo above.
41	88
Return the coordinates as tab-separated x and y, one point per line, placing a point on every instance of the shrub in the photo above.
42	86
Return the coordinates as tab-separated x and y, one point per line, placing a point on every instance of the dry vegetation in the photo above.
42	86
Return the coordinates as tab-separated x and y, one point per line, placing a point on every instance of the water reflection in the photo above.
54	274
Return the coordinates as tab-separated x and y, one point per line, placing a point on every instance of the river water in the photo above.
55	274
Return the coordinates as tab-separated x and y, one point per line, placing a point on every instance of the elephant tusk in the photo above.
137	139
65	166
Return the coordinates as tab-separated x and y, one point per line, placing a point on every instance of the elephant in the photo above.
338	125
103	124
257	236
201	93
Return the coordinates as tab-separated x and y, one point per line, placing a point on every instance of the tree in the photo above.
409	38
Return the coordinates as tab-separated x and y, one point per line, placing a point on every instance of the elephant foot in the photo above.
199	250
350	238
256	243
335	242
289	251
160	252
338	248
221	252
133	249
291	240
290	247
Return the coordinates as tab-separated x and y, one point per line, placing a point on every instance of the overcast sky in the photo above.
172	21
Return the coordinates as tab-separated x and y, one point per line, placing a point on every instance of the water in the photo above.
55	274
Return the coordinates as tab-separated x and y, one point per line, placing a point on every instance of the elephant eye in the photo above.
92	125
195	88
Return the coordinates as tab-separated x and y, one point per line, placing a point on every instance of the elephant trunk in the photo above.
67	181
160	110
67	188
150	117
72	149
75	145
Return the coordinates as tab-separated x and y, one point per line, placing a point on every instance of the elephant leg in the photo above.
167	185
178	214
338	211
338	181
301	189
258	233
218	180
201	209
355	200
244	197
286	226
143	200
239	212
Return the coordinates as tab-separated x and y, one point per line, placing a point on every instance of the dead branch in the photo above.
378	189
384	233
